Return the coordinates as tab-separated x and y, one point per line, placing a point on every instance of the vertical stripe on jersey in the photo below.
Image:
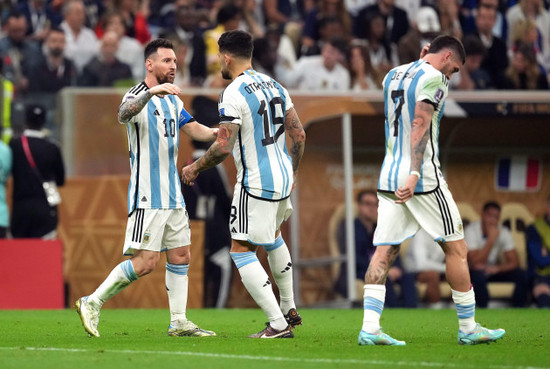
387	124
394	165
178	182
170	154
154	173
411	92
288	188
138	158
266	177
276	147
132	179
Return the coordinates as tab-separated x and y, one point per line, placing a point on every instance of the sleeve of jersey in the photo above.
433	90
289	103
229	110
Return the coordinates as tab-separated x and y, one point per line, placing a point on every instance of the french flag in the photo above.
518	173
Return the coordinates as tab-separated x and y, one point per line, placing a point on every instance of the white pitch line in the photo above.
270	358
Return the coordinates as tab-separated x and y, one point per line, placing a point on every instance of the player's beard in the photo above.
165	78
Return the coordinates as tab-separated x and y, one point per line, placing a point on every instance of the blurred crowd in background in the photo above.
323	45
306	44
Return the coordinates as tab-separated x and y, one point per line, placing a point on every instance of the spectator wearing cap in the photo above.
323	72
425	29
36	160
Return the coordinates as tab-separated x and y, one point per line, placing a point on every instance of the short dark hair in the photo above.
474	46
35	116
491	205
56	29
159	43
448	42
237	43
227	13
363	193
15	14
339	43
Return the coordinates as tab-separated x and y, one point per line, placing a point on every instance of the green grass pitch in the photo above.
328	339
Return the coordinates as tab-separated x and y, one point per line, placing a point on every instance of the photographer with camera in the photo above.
37	171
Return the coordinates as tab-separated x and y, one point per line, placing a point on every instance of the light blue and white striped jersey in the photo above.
404	86
258	104
153	138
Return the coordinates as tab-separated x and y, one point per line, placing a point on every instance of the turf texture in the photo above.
328	339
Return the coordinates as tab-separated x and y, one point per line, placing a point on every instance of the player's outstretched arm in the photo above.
220	149
420	135
200	132
297	137
132	107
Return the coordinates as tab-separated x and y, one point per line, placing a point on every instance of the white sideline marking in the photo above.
270	358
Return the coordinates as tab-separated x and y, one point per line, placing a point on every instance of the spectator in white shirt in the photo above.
492	257
322	72
82	44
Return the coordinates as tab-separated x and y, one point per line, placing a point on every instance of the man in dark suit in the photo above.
32	215
397	23
496	57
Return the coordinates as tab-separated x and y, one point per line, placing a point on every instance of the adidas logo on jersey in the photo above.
267	283
156	112
144	199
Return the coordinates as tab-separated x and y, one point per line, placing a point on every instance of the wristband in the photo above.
415	173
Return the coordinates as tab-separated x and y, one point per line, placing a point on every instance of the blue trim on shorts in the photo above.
393	243
243	258
274	245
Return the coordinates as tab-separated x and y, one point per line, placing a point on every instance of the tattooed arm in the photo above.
132	107
220	149
420	135
296	138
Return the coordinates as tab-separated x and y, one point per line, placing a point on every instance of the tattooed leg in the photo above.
380	264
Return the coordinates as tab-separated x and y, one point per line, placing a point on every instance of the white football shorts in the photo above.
255	220
436	212
157	230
